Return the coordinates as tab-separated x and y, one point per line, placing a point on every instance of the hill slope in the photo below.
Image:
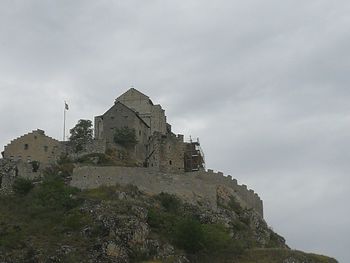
56	223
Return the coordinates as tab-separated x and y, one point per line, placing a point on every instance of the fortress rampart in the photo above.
201	186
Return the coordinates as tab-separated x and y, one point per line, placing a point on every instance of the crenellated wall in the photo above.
201	186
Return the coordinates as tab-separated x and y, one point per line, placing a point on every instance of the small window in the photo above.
170	162
112	117
26	146
35	137
139	133
46	148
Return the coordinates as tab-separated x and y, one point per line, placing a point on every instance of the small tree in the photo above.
81	135
125	137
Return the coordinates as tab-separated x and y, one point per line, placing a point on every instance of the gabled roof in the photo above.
123	105
35	132
136	91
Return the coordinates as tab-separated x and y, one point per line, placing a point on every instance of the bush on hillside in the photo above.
53	193
22	186
170	202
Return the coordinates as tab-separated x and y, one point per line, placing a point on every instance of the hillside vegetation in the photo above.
49	221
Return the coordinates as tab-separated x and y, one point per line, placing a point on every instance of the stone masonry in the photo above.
201	186
152	114
33	146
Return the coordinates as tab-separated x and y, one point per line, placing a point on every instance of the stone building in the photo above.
152	114
166	153
157	148
120	116
33	146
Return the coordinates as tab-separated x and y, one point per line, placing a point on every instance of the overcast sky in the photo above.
263	84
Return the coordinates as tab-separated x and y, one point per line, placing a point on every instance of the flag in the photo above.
66	106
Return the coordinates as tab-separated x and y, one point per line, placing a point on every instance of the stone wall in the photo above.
193	187
95	146
166	153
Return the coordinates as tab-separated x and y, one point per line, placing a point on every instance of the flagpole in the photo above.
64	122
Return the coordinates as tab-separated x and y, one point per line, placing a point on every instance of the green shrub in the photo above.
189	235
215	237
125	137
163	222
170	202
186	232
53	193
75	220
22	186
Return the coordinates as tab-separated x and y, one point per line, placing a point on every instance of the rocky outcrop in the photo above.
8	173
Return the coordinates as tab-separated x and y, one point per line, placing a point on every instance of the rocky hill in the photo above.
48	221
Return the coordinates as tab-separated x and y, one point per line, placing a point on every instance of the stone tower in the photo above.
152	114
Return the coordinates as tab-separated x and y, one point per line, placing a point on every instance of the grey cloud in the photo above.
263	84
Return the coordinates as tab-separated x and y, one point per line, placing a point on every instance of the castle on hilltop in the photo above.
162	160
157	147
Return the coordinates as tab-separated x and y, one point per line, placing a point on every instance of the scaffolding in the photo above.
194	156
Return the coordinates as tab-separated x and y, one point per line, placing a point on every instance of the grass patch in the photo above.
45	217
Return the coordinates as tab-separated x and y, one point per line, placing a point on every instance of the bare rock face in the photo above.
117	252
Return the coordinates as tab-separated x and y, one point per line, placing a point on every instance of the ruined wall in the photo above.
95	146
192	187
158	119
166	153
10	170
34	146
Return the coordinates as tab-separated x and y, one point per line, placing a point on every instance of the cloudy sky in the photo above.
263	84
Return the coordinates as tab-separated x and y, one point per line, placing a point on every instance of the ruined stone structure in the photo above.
94	146
33	146
193	187
10	170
